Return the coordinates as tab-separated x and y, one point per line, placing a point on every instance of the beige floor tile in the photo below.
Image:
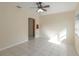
40	47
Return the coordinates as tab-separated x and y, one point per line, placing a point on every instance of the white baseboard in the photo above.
12	45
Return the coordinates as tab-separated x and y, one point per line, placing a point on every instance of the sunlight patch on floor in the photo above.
57	38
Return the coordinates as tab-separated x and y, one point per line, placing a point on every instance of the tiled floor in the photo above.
40	47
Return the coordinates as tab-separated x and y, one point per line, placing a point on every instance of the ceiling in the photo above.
55	7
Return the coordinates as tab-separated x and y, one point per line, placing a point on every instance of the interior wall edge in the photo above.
12	45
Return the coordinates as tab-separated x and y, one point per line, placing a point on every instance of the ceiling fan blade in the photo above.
46	6
18	6
44	9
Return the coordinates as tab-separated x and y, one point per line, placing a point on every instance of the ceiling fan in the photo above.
41	7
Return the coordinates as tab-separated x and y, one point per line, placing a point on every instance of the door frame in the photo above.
33	26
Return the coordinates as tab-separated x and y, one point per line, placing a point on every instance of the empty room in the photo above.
39	28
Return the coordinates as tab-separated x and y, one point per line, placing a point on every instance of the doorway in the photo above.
31	28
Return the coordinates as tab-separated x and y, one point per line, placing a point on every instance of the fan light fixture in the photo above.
40	10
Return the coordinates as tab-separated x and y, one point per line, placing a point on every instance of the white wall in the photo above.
77	29
77	35
55	23
13	24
